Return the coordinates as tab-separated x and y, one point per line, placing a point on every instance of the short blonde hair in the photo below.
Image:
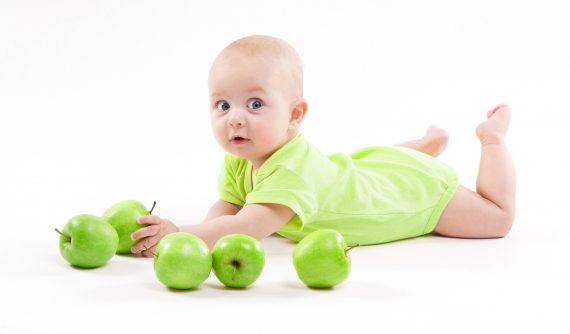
270	48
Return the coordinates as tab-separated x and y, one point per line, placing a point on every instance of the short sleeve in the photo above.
228	182
283	186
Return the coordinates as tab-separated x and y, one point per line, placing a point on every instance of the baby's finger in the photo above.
144	244
150	220
148	231
149	252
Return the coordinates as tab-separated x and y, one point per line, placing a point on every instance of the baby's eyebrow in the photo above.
251	90
256	89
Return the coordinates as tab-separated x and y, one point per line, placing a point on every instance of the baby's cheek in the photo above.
266	135
220	133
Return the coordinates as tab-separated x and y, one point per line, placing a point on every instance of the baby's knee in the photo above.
503	223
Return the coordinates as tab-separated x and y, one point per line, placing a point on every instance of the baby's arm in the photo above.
221	208
161	227
256	220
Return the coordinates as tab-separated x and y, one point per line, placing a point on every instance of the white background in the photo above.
103	101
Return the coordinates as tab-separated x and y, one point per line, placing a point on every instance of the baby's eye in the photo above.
222	105
254	104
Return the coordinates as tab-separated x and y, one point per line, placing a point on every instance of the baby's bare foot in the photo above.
494	129
436	140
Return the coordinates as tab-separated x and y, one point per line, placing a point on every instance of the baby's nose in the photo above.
236	119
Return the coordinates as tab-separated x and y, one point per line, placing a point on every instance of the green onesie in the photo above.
372	196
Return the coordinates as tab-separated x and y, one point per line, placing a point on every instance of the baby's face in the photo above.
249	98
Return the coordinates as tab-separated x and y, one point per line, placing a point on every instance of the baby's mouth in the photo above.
239	140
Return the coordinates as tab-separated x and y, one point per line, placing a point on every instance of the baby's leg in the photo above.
433	143
489	212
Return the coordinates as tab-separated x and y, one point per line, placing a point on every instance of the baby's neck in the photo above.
290	137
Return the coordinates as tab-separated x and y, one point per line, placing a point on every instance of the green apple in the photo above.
182	261
123	217
238	260
321	259
87	241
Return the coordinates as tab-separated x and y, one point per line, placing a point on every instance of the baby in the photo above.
274	181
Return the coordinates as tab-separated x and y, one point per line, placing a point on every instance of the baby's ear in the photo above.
298	113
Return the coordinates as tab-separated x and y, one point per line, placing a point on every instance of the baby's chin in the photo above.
242	154
239	152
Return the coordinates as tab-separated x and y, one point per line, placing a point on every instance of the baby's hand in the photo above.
151	234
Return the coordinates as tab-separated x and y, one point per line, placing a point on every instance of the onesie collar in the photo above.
284	151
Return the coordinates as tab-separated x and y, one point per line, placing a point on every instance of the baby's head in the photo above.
256	92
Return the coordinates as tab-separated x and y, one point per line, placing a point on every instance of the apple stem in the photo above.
349	248
63	235
153	204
